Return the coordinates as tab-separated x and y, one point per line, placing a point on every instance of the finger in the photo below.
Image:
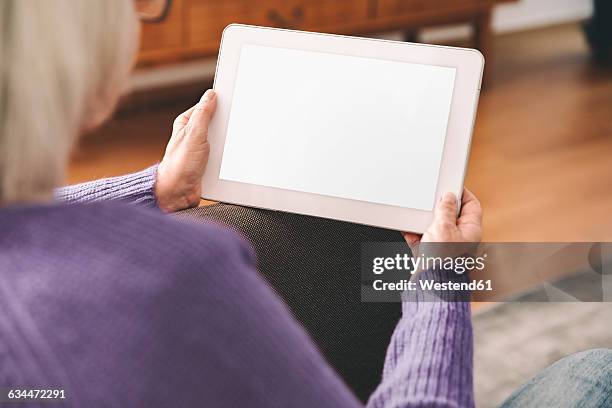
446	210
471	210
411	238
202	114
182	119
467	197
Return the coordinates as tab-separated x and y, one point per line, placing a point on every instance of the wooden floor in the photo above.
541	158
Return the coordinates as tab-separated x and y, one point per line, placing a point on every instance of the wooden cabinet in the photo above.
193	27
167	37
206	19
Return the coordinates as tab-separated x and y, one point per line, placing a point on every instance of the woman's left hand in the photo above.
179	175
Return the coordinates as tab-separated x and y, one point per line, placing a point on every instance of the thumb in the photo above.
202	114
446	210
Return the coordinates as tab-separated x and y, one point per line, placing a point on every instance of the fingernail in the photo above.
208	95
449	197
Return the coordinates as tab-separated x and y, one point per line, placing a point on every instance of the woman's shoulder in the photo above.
170	234
121	228
93	254
109	280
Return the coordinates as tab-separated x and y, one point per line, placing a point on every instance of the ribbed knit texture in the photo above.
429	361
126	307
135	188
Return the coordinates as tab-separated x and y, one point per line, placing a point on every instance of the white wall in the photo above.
521	15
526	14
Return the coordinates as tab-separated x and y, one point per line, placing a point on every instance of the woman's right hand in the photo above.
447	227
179	175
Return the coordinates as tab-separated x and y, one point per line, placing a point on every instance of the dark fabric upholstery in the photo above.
313	263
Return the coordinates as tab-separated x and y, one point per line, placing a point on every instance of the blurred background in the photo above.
542	148
543	137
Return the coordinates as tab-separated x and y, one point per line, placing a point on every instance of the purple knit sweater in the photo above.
125	307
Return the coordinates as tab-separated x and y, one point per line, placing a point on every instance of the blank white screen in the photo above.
358	128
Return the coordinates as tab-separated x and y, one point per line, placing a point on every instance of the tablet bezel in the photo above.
469	66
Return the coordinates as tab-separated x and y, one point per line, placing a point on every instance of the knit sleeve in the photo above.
137	188
429	359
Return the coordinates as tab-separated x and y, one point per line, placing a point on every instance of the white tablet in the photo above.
354	129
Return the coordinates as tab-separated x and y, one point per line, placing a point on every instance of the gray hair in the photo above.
63	63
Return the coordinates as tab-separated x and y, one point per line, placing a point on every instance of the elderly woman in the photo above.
116	304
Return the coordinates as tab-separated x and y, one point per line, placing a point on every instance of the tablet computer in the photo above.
354	129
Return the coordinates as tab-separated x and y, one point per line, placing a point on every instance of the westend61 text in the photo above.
432	285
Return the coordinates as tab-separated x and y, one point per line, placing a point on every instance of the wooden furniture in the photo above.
193	28
540	159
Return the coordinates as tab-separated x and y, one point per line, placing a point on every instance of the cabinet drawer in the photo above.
169	34
394	7
207	19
